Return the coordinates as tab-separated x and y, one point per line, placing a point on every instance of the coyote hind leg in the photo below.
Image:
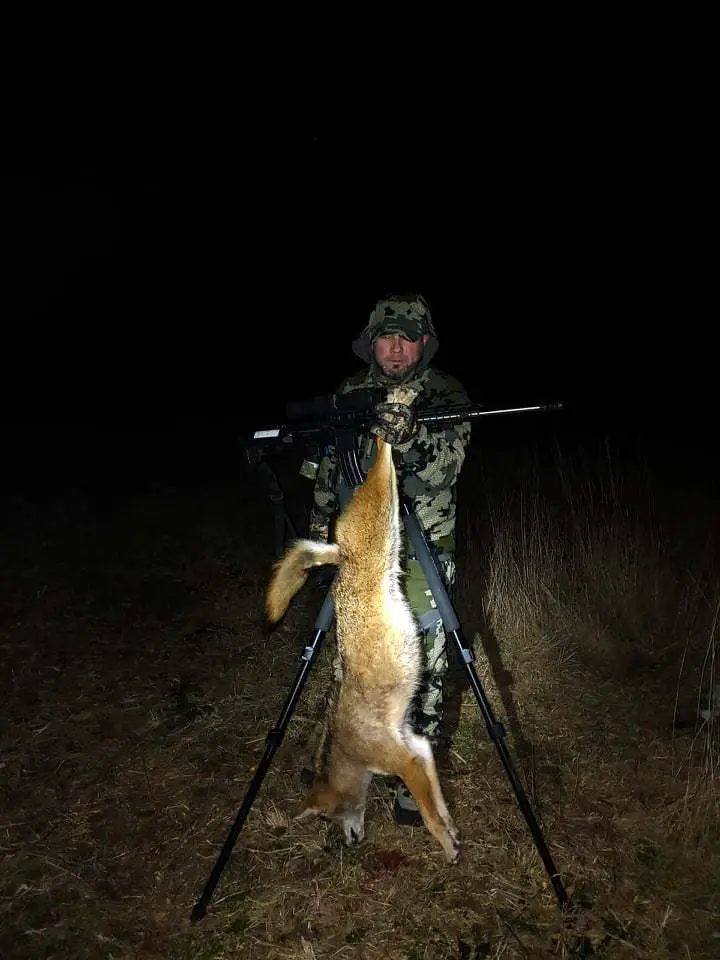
420	776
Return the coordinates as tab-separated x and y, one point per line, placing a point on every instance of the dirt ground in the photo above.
138	685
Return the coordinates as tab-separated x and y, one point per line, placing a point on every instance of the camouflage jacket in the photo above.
428	465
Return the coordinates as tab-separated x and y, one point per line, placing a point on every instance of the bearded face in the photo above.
396	355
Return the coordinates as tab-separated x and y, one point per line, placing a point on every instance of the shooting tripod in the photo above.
453	631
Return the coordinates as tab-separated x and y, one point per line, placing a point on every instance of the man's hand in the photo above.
395	423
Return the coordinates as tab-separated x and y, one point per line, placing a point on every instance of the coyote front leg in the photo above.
420	776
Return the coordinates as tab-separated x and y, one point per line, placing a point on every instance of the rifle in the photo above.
337	419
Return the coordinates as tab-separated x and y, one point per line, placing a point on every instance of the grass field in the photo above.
139	683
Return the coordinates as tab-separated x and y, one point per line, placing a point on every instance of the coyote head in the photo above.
348	812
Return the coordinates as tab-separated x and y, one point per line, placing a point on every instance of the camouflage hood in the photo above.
408	315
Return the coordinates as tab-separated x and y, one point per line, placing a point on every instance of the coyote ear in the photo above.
321	801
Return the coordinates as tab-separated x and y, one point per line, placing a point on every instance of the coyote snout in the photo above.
381	655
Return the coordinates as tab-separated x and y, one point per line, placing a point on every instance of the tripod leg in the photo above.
495	730
284	527
274	739
282	522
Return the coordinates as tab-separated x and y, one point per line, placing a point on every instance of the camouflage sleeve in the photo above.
324	505
325	499
431	462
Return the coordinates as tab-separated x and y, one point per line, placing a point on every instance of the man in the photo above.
398	344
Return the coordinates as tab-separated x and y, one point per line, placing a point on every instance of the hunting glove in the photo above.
395	423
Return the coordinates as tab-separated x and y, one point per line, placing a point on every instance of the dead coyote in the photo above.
381	655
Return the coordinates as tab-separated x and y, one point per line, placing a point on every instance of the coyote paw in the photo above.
453	846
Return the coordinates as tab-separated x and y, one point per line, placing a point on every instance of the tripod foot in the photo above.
199	911
405	810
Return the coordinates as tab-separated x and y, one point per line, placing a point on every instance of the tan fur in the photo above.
290	573
381	654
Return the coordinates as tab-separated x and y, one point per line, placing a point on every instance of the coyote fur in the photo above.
379	645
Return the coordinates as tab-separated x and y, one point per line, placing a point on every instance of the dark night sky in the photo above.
160	275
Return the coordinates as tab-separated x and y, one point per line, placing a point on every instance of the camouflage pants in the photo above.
426	714
427	707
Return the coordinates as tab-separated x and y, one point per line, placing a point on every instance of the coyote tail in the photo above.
291	572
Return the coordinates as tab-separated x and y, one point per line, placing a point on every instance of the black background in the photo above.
176	266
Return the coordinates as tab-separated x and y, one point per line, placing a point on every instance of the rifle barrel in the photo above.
460	414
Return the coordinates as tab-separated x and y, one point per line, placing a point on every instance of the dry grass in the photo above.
139	684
